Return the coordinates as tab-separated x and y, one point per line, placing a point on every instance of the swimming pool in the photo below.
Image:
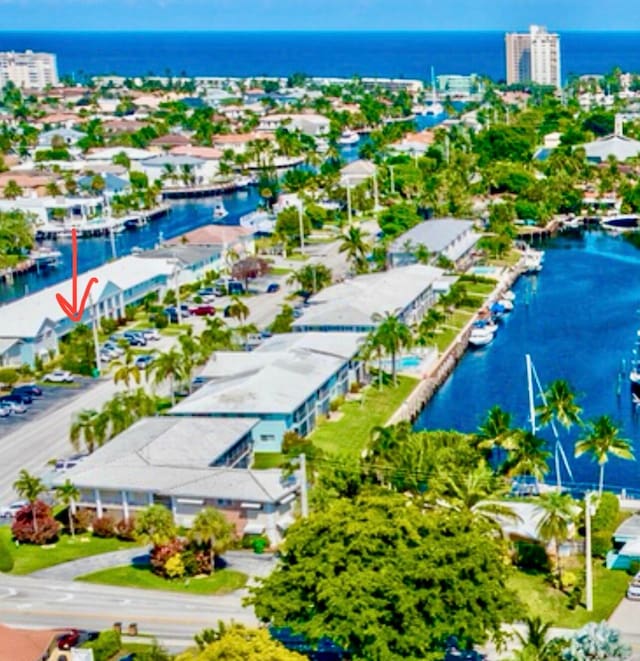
404	362
485	270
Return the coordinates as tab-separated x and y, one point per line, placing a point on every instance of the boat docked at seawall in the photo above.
219	211
619	224
480	337
532	260
348	138
261	222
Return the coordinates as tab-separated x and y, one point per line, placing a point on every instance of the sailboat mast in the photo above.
532	404
433	86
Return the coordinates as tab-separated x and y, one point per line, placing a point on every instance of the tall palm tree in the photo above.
168	366
534	644
238	310
601	439
89	427
29	487
355	247
191	356
372	347
126	370
67	494
216	335
558	512
212	528
529	456
394	335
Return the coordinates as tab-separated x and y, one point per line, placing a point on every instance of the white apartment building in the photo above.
28	70
533	57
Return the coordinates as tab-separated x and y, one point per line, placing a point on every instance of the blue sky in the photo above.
318	14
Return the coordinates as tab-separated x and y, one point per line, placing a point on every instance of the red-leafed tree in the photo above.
34	524
249	268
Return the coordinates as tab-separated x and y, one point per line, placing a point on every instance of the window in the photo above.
266	438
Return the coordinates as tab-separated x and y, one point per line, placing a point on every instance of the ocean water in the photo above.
578	319
393	54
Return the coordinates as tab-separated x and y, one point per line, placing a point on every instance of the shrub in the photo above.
634	567
8	377
106	645
600	543
6	559
606	516
104	526
126	530
196	561
83	520
336	404
159	320
160	553
531	556
108	325
47	527
355	388
174	567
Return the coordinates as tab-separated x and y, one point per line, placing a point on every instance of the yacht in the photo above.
348	138
435	107
619	224
506	303
532	260
261	222
509	296
219	212
480	337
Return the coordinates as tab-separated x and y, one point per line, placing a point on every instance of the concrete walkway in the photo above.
246	562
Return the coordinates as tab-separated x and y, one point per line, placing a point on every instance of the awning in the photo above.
254	528
251	506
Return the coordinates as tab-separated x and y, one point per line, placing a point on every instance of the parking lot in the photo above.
52	397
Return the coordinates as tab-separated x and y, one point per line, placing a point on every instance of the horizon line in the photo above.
305	30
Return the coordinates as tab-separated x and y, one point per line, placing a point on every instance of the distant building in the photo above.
533	57
458	86
28	70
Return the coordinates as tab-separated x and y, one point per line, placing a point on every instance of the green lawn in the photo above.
353	430
609	588
445	338
478	288
28	558
262	460
279	270
140	576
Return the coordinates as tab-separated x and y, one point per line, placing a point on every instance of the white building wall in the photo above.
28	70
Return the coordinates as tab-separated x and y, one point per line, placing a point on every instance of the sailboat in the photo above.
560	457
435	107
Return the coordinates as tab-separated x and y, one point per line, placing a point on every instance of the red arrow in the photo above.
73	310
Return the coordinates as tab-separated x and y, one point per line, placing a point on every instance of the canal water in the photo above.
578	319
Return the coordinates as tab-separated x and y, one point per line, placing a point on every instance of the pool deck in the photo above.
432	379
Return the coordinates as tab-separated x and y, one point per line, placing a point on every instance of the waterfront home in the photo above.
31	183
311	124
185	464
239	142
414	143
357	172
284	384
350	306
112	184
76	211
451	238
105	155
231	238
626	544
616	144
177	170
37	322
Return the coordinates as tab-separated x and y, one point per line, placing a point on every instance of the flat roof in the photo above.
275	378
355	301
436	234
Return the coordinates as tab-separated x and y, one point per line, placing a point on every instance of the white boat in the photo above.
258	221
573	223
532	261
348	138
219	212
434	108
506	303
509	296
480	337
620	224
634	375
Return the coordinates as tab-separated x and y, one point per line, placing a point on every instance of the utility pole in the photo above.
304	499
349	214
587	551
301	222
94	327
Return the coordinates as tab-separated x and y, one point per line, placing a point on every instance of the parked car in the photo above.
74	638
69	462
149	334
29	389
633	591
273	288
14	407
112	347
172	312
18	397
58	376
266	334
142	362
203	310
234	287
5	411
9	511
137	341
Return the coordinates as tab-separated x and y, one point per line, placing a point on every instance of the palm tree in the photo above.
372	346
29	487
126	370
191	356
238	310
212	528
496	432
529	456
601	439
558	512
560	405
354	246
534	644
394	335
68	494
90	427
216	335
12	190
168	366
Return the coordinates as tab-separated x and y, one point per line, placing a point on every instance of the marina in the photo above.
569	335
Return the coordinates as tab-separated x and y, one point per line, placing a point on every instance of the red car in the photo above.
203	310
